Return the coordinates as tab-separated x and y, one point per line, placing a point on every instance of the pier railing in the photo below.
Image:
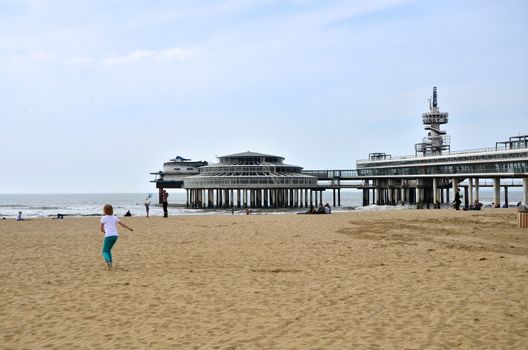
467	151
331	174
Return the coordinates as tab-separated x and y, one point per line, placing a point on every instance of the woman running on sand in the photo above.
109	228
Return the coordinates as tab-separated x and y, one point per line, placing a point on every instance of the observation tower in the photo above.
436	140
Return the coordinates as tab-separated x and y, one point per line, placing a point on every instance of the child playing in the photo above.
109	228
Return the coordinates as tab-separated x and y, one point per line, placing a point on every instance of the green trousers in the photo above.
107	247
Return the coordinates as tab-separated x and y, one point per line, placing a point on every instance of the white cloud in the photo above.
174	54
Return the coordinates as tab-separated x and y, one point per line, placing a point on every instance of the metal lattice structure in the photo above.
436	140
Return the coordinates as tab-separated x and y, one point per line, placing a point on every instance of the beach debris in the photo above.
482	259
277	270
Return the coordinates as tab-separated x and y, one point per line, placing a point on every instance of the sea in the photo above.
91	204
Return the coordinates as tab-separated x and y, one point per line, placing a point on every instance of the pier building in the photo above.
173	173
251	180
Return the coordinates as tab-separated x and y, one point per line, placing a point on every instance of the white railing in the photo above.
476	150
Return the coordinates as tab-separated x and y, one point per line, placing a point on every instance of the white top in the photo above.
110	225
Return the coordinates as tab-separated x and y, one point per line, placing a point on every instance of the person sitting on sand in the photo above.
475	206
327	208
311	210
19	216
109	228
128	213
321	209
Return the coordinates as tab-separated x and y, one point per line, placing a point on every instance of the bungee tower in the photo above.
436	140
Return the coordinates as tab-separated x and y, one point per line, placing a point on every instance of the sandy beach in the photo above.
402	279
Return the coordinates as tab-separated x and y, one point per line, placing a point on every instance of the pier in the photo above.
429	178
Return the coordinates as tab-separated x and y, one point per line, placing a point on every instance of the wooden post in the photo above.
522	219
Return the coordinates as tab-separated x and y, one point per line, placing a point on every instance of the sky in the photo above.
95	95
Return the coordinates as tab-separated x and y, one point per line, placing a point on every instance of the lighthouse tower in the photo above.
437	141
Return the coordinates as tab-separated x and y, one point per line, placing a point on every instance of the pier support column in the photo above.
436	201
296	198
402	194
455	187
470	193
338	197
477	190
496	189
244	195
334	196
506	197
525	190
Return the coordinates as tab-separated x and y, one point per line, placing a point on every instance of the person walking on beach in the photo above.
457	199
165	203
147	205
109	228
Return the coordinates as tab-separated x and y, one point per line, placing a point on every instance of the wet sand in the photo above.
403	279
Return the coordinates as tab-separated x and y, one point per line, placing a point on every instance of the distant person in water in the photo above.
109	228
19	216
147	205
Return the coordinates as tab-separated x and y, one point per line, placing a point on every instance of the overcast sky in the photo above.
97	94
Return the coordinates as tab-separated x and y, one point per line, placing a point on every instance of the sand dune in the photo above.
430	279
